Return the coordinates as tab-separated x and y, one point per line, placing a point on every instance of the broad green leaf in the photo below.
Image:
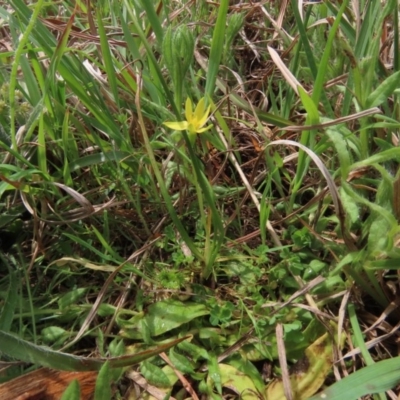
310	375
103	383
337	136
196	352
181	362
154	375
71	297
373	206
240	383
248	369
383	91
350	206
72	392
376	378
51	334
377	241
214	375
166	315
169	314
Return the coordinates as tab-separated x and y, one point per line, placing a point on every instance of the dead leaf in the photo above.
47	384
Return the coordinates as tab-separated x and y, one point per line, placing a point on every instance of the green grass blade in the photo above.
153	61
309	52
337	136
107	57
383	156
396	55
358	336
28	66
323	65
13	77
154	20
376	378
373	9
76	77
217	48
10	302
383	91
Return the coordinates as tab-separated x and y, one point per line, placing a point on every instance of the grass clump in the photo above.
218	181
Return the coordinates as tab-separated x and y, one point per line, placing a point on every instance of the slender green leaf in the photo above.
107	57
323	65
103	383
217	48
10	302
383	156
376	378
383	91
22	350
154	20
154	375
72	392
309	105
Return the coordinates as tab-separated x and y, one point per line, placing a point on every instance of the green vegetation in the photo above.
204	195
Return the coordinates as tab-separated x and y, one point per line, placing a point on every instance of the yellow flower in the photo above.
194	120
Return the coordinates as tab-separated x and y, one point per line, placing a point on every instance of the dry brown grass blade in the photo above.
82	200
86	210
342	120
394	305
278	29
331	185
374	342
313	310
340	332
78	214
287	388
58	25
305	289
281	15
290	78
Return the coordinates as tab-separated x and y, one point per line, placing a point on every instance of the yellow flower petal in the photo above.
204	117
195	120
199	113
204	129
178	126
188	110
